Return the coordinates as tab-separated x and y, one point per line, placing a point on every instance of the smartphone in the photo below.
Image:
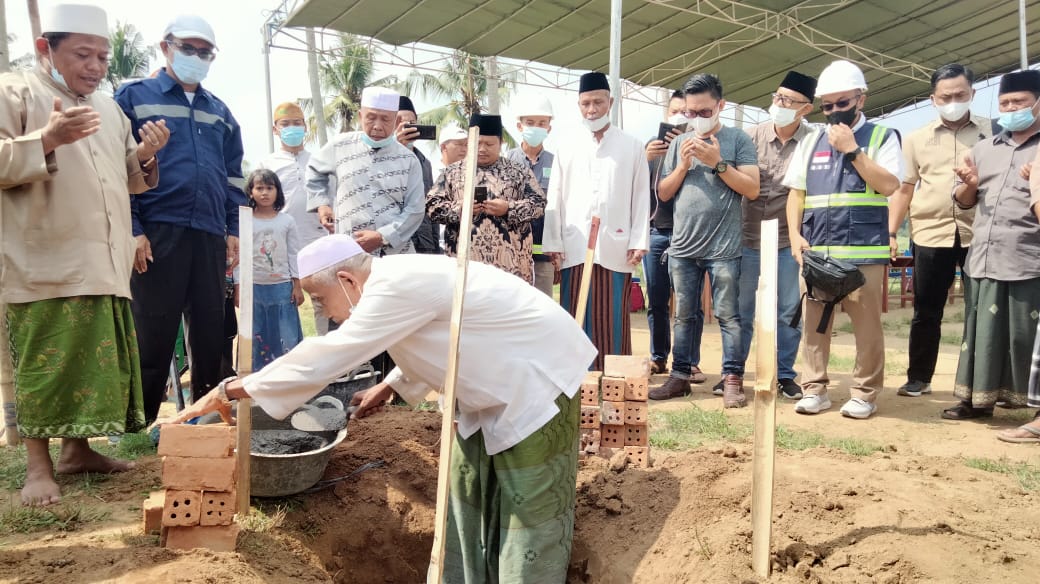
665	128
480	194
425	132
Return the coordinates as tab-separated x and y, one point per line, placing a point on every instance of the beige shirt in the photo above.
932	152
65	216
774	156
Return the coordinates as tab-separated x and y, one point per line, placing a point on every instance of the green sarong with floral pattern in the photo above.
77	371
511	515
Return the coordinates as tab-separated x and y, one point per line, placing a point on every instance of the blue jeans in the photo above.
688	278
788	298
658	294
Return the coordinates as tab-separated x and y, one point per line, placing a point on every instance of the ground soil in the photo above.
913	512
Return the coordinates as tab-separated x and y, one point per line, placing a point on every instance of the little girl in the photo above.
276	282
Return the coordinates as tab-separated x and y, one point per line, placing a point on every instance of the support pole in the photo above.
266	33
765	402
615	60
245	352
7	383
494	99
1023	49
5	53
317	101
440	525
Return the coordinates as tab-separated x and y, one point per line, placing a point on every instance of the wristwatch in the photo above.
721	167
851	156
222	390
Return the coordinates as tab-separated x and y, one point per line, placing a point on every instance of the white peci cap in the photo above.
326	252
840	76
534	105
380	98
190	26
452	132
75	18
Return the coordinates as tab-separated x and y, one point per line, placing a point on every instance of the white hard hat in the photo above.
190	26
75	18
452	132
840	76
534	105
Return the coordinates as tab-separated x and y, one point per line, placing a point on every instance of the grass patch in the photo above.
261	521
131	447
895	363
692	427
62	517
1027	475
789	439
951	339
425	406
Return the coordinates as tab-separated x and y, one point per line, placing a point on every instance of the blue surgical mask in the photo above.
190	70
1017	121
292	136
534	136
58	77
378	143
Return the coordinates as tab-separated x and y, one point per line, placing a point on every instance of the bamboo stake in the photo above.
765	403
586	273
7	383
440	525
245	352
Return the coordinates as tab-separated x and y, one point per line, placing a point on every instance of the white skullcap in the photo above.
840	76
75	18
380	98
190	26
534	105
452	132
326	252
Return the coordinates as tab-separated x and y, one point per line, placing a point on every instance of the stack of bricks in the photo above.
196	509
614	412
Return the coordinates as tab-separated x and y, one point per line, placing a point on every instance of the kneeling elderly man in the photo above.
514	463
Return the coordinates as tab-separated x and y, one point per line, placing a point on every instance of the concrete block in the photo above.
613	388
198	474
197	441
636	436
217	508
152	510
636	413
590	417
638	456
612	413
626	366
219	538
612	437
181	508
590	393
593	377
636	388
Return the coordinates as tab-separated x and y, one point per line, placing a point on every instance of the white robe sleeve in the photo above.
639	232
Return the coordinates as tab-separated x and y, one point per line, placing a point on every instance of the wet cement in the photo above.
284	442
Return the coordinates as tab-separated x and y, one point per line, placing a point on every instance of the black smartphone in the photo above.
425	132
480	194
665	128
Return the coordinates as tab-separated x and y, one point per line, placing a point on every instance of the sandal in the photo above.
964	411
1008	436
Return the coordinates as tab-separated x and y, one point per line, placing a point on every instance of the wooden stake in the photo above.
586	273
765	402
245	352
7	383
452	374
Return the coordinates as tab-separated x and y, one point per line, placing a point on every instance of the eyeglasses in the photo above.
704	113
191	51
787	101
841	104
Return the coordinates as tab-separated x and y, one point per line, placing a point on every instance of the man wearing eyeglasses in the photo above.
707	171
187	226
840	180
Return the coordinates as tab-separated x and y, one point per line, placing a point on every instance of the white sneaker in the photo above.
857	408
812	404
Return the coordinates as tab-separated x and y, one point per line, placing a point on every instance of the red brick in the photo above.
605	452
590	417
217	508
219	538
636	413
636	388
613	388
197	441
626	366
612	413
612	437
638	456
590	393
152	510
636	436
198	474
182	508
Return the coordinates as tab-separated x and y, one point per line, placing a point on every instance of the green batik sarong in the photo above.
1000	323
511	515
77	371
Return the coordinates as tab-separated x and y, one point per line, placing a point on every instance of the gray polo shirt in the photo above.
541	169
706	213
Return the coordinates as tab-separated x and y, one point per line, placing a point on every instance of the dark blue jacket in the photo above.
200	169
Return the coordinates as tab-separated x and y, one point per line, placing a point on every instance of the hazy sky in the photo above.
237	75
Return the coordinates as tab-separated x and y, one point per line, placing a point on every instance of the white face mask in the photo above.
703	126
349	301
782	116
597	124
953	111
677	120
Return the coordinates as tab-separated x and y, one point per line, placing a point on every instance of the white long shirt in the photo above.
518	351
291	170
609	178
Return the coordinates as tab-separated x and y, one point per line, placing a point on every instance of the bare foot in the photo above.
1026	433
77	457
40	490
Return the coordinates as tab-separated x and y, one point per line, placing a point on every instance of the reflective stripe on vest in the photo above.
868	199
537	249
854	252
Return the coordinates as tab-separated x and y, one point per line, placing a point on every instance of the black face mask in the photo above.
842	117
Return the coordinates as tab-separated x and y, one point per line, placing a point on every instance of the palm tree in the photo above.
463	83
130	55
346	74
